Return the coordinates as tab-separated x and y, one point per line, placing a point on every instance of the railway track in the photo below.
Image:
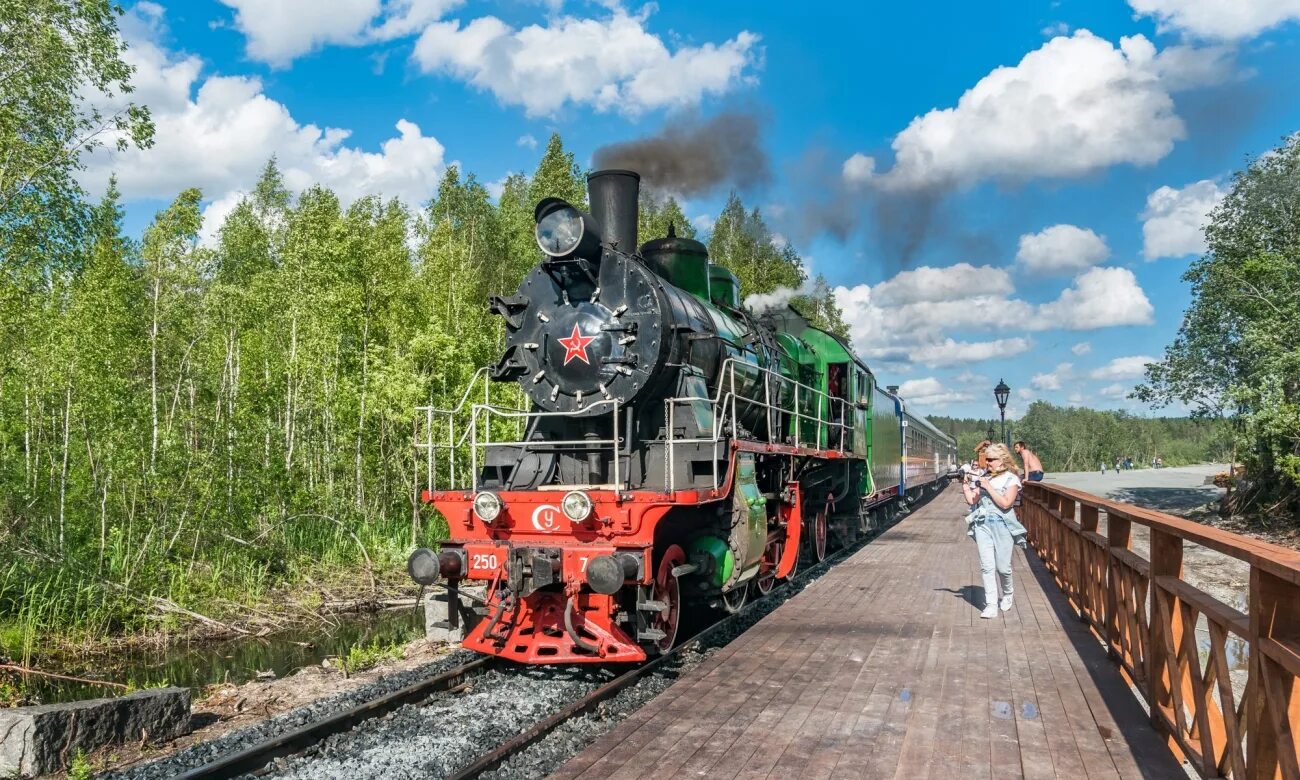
290	751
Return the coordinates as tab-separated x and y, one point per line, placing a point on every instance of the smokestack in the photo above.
614	196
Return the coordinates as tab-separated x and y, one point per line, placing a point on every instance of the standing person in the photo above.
1103	467
993	525
1033	466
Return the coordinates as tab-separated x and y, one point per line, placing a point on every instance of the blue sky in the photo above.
1017	186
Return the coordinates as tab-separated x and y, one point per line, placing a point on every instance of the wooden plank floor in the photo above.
883	668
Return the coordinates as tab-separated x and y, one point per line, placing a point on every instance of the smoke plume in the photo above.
895	223
762	303
690	156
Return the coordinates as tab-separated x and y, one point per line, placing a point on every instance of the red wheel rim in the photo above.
819	536
668	590
767	574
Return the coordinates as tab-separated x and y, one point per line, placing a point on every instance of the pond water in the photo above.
196	664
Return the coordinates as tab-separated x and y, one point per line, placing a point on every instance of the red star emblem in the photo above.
575	346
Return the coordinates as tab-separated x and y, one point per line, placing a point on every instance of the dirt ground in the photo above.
223	708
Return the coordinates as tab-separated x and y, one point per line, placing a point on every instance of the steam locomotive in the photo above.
664	446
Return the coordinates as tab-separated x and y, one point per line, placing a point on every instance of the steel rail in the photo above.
256	756
498	756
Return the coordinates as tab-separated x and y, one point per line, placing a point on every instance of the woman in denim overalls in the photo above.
993	525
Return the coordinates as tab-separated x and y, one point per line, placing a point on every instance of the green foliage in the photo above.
1078	439
80	768
367	656
62	94
10	694
742	242
1235	355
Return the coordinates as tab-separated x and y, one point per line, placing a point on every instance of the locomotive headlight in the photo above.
563	230
576	506
487	505
560	230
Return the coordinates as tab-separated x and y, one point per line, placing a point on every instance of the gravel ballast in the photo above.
206	752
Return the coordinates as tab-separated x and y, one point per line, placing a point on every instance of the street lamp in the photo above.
1002	393
989	435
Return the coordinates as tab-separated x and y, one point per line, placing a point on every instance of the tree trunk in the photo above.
63	470
153	375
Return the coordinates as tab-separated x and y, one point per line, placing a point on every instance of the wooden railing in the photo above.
1146	613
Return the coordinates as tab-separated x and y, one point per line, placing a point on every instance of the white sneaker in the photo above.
991	611
1005	603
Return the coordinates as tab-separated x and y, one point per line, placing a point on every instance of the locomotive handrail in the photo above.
488	410
430	443
1146	613
724	400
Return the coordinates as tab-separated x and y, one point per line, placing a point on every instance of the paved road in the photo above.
1174	490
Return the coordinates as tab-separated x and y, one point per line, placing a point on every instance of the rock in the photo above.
37	740
436	625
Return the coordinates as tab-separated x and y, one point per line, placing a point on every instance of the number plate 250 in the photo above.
484	560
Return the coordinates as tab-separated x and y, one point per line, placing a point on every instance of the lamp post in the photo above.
1001	393
989	435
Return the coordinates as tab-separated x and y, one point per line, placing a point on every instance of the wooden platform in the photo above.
883	668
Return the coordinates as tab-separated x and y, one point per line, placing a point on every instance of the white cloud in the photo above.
1055	29
216	133
950	352
955	282
527	141
931	393
1184	67
1116	390
1082	348
969	377
1024	394
1132	367
1076	105
282	30
1098	298
903	321
1173	224
703	222
1061	249
1218	19
1054	379
858	169
613	64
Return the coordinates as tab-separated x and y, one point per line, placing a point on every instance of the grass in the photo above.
368	656
44	608
80	767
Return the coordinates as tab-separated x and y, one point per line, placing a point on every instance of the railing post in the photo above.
1164	636
1094	572
1119	533
1273	717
